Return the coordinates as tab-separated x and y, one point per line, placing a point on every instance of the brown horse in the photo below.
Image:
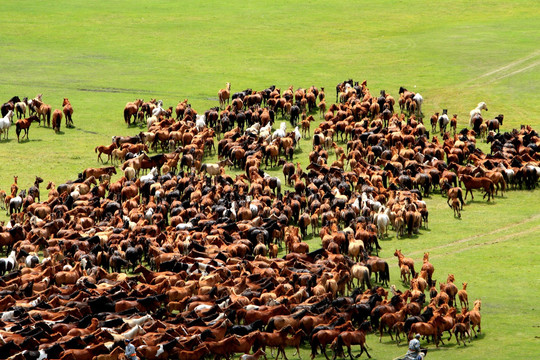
224	95
349	338
477	183
105	150
68	112
476	317
43	111
405	260
56	120
433	327
131	109
24	124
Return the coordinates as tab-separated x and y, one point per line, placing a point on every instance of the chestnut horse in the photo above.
68	112
224	95
477	183
24	124
131	109
43	111
56	120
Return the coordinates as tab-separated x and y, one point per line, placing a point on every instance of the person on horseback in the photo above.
415	352
130	352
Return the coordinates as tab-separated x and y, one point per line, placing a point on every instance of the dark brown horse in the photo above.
477	183
68	112
24	124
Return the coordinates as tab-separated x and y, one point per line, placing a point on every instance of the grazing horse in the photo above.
68	112
224	95
477	183
5	123
56	120
24	124
43	111
131	109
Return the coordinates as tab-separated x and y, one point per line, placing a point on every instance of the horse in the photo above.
56	120
20	108
224	94
9	105
105	150
34	190
5	123
131	109
477	183
495	123
476	317
463	297
68	112
477	111
42	110
349	338
405	260
443	121
24	124
362	274
456	207
9	263
419	101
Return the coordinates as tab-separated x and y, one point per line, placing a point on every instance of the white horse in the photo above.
297	136
382	220
478	110
200	122
443	121
150	176
158	110
419	100
281	132
5	123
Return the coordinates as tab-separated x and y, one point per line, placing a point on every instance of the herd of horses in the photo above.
38	111
182	258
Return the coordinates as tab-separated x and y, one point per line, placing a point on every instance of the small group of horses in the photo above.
38	112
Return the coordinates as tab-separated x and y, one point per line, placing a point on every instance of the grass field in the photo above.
103	54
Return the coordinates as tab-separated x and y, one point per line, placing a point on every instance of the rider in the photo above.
414	348
130	350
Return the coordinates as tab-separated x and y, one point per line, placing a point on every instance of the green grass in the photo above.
103	54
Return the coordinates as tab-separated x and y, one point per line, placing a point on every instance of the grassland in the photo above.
102	54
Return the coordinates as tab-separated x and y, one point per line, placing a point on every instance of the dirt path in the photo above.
509	66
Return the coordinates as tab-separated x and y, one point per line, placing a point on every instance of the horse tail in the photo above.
314	342
18	129
271	326
95	150
492	188
367	277
410	224
126	115
386	272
